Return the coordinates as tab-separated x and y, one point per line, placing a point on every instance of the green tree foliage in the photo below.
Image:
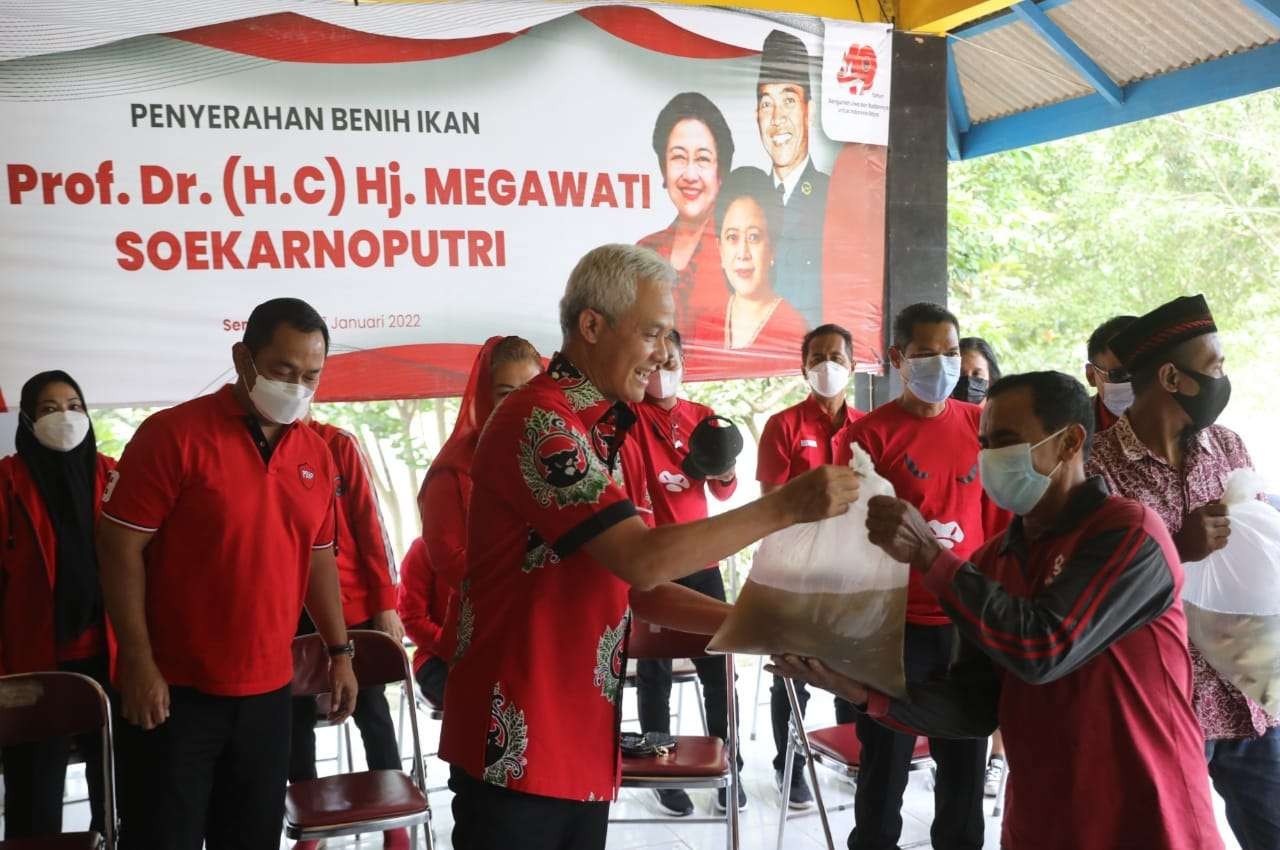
1047	242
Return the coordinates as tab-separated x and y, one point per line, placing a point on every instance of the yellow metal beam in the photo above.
942	16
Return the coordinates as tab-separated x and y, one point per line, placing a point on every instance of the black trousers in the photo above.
780	715
886	758
35	774
486	817
214	772
372	717
653	677
431	678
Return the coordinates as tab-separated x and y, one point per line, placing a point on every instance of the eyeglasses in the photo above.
1111	376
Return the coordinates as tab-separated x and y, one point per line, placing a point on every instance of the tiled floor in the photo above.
759	823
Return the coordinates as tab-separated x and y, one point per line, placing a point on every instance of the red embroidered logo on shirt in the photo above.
1056	571
307	474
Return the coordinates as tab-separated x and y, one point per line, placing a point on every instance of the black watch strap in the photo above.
348	649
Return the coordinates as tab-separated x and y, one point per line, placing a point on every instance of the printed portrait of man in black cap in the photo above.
784	104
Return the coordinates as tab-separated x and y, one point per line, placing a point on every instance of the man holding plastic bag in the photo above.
925	444
1074	642
1168	453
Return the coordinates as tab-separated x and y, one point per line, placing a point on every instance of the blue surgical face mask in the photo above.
1010	478
931	379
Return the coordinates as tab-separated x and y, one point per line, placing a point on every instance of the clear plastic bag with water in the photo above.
823	590
1232	597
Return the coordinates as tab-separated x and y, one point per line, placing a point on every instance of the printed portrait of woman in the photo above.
748	220
695	152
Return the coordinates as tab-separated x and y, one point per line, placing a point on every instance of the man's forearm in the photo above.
324	598
678	607
670	552
123	573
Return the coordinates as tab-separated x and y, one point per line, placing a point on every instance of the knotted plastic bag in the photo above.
1232	597
823	590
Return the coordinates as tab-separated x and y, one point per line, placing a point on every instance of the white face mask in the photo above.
664	383
1117	398
61	431
931	379
280	401
828	379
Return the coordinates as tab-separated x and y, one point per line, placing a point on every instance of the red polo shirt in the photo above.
933	464
534	692
663	435
798	439
228	565
362	547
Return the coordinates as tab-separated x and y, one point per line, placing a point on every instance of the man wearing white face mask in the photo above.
794	441
1107	374
1073	640
50	596
216	530
924	443
665	422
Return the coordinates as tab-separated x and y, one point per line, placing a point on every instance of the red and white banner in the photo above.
422	194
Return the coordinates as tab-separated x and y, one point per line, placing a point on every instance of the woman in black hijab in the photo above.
51	614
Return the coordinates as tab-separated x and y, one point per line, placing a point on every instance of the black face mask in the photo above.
1204	408
971	388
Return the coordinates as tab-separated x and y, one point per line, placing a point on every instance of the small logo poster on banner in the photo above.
857	61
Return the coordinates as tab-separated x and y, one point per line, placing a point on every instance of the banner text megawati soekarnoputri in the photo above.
328	187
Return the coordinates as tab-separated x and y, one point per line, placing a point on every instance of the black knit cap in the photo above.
783	59
1154	335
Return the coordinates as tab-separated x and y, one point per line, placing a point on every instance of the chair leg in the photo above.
679	715
400	722
797	728
702	708
998	809
755	700
351	756
784	790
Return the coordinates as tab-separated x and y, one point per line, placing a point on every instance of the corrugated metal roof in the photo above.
1011	68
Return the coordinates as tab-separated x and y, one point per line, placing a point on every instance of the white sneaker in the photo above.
995	773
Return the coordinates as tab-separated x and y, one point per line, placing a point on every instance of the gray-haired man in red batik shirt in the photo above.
1167	453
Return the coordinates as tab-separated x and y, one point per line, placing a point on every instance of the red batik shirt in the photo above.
533	698
1130	469
933	464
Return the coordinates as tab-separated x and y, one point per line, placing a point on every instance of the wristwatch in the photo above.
348	649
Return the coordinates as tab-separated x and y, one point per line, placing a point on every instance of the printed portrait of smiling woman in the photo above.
694	148
748	219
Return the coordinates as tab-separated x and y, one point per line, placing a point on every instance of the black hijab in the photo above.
66	482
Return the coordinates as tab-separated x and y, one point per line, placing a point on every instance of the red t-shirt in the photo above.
229	562
362	547
533	698
798	439
664	435
933	464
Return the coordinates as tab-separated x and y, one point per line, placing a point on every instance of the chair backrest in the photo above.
380	660
650	641
39	706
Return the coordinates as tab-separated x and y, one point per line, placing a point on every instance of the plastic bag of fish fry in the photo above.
1232	597
823	590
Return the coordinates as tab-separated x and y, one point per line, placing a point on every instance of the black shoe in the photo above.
674	802
722	794
800	797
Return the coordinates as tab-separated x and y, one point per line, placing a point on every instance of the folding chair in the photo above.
373	800
696	761
435	713
38	706
835	747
